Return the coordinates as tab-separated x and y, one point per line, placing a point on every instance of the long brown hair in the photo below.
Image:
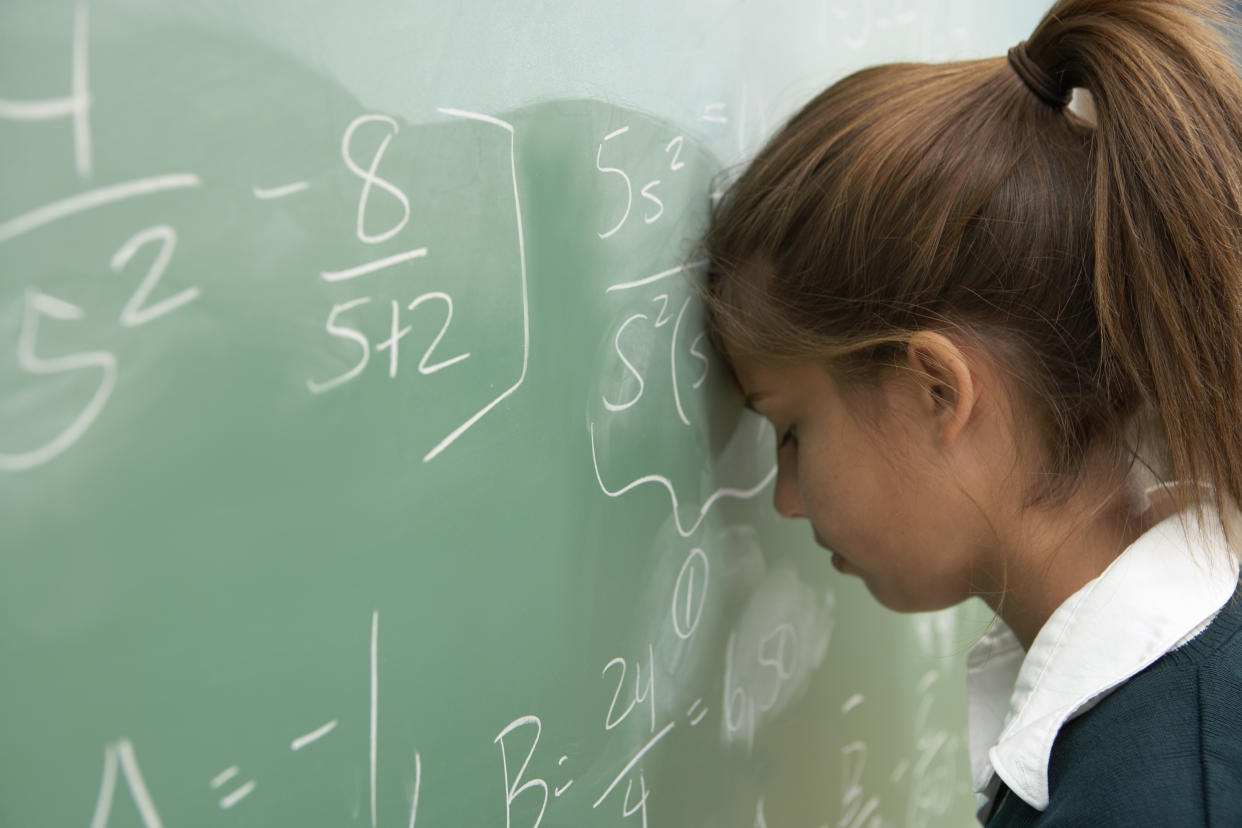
1100	257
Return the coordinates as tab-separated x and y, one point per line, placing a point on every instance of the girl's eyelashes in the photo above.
788	438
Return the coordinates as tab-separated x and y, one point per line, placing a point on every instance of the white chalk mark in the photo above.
45	110
719	494
616	344
103	803
609	721
137	787
865	813
344	333
314	736
370	179
702	357
741	121
423	367
657	277
481	413
371	267
711	114
81	92
393	342
629	185
91	199
689	596
237	796
694	707
135	313
654	199
928	752
929	678
513	789
699	717
692	618
268	193
40	304
900	770
852	702
557	793
651	689
418	782
77	105
861	40
616	132
672	358
677	142
661	318
224	776
374	705
630	765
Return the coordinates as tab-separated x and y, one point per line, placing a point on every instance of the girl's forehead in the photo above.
749	374
768	381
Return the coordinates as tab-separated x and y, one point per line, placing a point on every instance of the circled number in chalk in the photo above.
690	594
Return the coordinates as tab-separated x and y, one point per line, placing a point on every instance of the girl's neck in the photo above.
1055	552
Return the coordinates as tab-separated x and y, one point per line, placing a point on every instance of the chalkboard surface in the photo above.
362	459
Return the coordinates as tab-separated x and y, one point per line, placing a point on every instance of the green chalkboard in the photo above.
362	460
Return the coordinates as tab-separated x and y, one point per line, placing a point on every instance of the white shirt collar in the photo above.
1160	592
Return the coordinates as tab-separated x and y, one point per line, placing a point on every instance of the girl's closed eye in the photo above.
787	438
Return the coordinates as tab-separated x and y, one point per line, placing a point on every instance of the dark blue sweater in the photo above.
1164	749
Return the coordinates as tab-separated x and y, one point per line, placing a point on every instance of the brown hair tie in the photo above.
1037	79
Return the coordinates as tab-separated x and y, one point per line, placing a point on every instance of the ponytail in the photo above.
1167	205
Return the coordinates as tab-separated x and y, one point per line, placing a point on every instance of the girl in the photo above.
984	323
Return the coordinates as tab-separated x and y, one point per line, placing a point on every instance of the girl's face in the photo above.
879	487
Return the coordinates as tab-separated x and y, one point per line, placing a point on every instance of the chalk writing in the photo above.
371	179
647	191
76	105
122	752
644	691
685	672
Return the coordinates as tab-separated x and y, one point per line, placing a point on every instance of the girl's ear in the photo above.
947	390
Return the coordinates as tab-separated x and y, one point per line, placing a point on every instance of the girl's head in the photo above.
1083	267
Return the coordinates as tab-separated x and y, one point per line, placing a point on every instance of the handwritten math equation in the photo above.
147	272
654	314
755	677
155	292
